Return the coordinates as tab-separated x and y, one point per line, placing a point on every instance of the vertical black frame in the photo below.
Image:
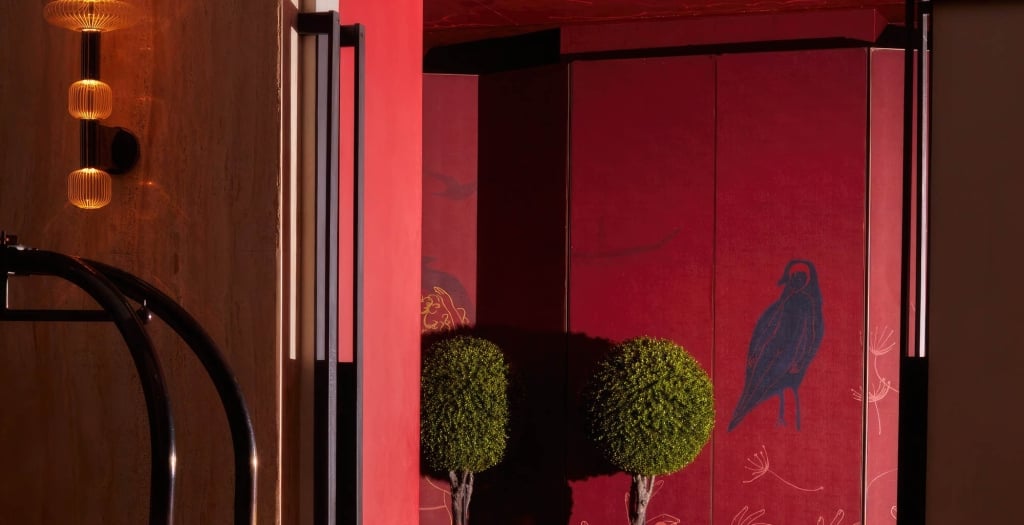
336	455
913	400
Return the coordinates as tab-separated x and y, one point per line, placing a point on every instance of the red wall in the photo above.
448	291
791	184
641	244
448	294
390	432
690	183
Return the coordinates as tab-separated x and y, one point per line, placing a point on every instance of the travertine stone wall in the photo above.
198	82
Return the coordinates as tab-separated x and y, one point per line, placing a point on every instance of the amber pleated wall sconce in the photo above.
104	150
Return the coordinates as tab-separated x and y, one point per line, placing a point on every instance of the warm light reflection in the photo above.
89	188
90	15
90	100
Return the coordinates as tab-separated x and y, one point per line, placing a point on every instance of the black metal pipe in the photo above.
243	438
90	59
161	427
57	316
89	137
354	388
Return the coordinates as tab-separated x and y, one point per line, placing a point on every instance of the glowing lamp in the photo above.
90	15
89	188
90	100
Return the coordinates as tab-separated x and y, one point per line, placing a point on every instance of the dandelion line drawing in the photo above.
742	518
759	465
881	342
876	478
446	497
892	512
837	520
664	519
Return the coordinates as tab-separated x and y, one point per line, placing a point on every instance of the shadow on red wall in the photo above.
530	485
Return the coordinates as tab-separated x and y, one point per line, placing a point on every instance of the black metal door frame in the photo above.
913	400
336	455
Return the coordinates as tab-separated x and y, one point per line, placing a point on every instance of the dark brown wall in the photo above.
198	81
975	358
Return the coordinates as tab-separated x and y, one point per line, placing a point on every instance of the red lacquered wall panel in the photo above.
449	201
791	185
885	210
641	256
448	292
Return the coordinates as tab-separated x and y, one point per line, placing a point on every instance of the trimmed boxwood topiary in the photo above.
649	409
463	412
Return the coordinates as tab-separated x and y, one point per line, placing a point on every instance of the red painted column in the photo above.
393	168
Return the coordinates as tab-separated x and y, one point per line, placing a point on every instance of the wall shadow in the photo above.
546	446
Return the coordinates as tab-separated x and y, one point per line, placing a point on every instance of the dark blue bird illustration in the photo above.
785	341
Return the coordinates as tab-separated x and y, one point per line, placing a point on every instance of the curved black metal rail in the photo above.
18	261
111	287
242	437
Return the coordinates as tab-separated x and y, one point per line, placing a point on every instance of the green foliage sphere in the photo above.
650	407
464	404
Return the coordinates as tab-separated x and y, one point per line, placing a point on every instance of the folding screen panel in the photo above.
730	203
641	248
885	209
448	294
789	286
448	290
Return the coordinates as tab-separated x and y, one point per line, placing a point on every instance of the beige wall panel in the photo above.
197	80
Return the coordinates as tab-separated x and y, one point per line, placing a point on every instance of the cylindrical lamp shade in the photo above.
90	100
89	188
90	15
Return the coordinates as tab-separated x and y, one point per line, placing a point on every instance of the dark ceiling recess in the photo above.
453	21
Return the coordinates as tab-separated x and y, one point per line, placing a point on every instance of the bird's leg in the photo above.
796	399
782	408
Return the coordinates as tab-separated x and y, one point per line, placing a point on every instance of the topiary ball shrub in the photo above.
463	412
650	407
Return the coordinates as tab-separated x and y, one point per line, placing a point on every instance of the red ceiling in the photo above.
449	21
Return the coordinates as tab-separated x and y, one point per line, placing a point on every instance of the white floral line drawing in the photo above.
445	498
880	343
876	478
758	465
742	518
837	520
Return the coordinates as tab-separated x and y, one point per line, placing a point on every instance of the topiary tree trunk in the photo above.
463	413
639	496
462	491
650	408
